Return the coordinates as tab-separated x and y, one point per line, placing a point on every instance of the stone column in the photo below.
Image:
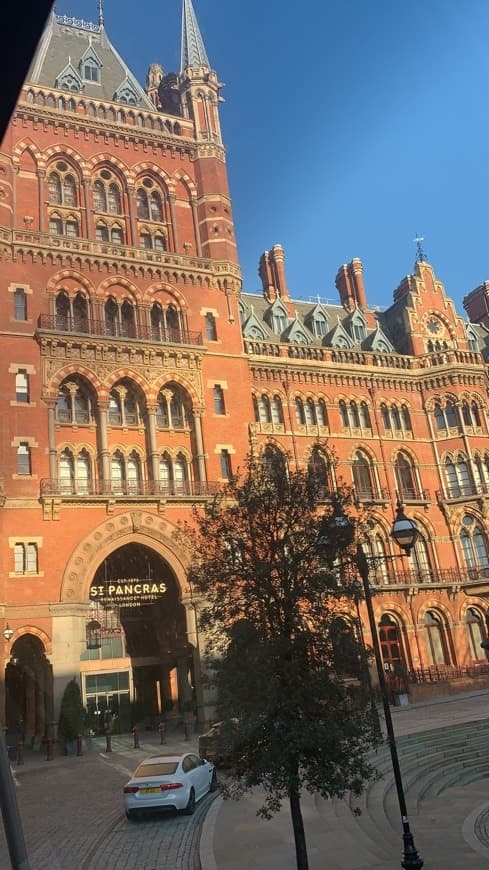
195	217
153	447
41	175
53	459
134	241
171	201
88	209
197	415
68	633
103	443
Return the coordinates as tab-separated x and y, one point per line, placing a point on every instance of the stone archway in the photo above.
140	526
130	532
28	690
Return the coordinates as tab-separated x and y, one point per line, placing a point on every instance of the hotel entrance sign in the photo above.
127	592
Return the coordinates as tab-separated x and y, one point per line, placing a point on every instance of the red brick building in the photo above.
136	375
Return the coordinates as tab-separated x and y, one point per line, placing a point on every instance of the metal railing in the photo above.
113	329
128	489
440	673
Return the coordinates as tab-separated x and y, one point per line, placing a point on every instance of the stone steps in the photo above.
431	762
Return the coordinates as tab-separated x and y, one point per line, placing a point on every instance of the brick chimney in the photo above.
349	282
272	274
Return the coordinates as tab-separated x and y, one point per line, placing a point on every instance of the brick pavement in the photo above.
73	815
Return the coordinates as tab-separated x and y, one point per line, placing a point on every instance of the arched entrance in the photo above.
137	663
28	689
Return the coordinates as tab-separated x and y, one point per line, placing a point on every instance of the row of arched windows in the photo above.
120	318
110	198
78	474
76	405
450	416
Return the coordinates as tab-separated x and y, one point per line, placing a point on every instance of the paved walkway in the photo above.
452	833
73	816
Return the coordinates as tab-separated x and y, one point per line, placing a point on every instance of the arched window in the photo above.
262	409
177	410
299	412
83	473
420	560
62	307
142	204
405	478
436	640
474	623
466	416
322	413
157	324
396	418
114	199
406	419
364	416
459	482
451	416
440	421
101	232
180	474
69	190
133	474
166	474
386	417
111	316
382	567
99	198
476	419
276	410
66	472
155	207
310	412
128	326
124	407
54	189
80	313
362	476
117	473
475	549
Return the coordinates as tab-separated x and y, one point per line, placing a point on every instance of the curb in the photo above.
206	845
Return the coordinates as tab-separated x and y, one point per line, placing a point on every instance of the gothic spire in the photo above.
193	50
100	13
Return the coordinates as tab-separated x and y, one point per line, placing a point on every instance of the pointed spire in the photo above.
100	13
193	50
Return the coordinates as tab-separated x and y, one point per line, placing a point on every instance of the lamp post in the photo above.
405	533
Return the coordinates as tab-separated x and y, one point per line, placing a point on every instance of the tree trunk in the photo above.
298	826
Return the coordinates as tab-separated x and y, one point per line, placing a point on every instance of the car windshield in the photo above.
160	768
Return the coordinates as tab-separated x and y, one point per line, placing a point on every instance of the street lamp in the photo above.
405	533
8	633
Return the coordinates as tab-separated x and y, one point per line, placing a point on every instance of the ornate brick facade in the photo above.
136	375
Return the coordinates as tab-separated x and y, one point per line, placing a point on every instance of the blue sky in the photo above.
350	127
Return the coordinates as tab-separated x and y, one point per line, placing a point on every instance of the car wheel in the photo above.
213	783
130	815
189	809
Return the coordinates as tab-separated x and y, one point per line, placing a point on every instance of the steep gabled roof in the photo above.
65	42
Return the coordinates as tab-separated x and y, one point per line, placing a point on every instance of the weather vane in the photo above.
420	258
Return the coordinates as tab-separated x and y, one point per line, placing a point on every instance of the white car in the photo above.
169	782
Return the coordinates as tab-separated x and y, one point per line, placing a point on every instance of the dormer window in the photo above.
91	71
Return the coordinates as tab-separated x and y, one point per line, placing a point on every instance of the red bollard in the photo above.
186	735
49	749
136	737
162	730
20	752
108	741
79	745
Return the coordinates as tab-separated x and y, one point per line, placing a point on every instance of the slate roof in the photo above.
65	41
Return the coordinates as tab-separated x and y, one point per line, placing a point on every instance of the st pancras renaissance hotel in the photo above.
137	373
